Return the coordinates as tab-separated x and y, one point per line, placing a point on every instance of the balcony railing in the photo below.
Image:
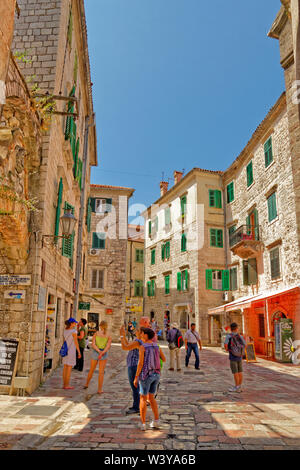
244	233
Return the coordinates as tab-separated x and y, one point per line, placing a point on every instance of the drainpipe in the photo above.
88	124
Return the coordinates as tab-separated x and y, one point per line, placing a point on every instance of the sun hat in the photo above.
174	325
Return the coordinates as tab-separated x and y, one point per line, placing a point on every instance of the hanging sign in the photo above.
84	306
109	311
15	279
8	361
15	294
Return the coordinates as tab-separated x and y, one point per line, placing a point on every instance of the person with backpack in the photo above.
235	345
148	376
175	340
192	339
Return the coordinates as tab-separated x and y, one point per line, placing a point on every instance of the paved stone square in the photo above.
197	411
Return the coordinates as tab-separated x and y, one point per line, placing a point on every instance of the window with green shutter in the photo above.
230	192
185	280
89	215
215	198
139	256
249	174
183	200
272	207
275	263
163	250
152	287
152	256
70	119
58	209
67	246
167	284
218	280
179	287
268	149
231	230
150	227
138	288
216	238
183	242
167	250
98	241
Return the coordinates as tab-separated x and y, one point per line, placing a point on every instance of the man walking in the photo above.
192	339
82	335
173	347
235	345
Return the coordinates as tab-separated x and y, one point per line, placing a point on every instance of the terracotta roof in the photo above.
107	186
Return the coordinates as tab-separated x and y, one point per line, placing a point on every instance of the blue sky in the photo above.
178	84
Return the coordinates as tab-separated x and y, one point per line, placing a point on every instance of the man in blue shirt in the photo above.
235	345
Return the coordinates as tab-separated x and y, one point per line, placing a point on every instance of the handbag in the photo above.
64	350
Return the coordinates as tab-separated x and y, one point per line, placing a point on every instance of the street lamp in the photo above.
68	222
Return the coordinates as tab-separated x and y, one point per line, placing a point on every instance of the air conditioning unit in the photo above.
226	296
93	252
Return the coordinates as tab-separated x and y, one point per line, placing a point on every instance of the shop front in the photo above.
271	321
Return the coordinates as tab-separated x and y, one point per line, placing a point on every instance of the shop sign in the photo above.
15	294
15	279
84	306
109	311
8	360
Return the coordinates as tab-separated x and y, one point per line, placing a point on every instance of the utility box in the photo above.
284	332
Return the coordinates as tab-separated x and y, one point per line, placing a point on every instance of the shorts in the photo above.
95	356
150	384
236	367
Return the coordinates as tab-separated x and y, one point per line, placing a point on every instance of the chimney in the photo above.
163	187
177	176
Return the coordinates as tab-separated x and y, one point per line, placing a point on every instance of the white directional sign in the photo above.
15	294
15	279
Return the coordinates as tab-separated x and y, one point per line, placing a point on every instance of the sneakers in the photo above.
143	427
154	424
235	389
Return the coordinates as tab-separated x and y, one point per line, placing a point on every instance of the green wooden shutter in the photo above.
248	224
89	215
149	288
93	204
163	248
211	198
150	227
225	280
272	208
233	279
256	226
275	263
230	192
249	174
213	237
167	284
179	281
185	275
183	205
219	238
98	241
209	279
268	152
108	205
218	198
153	287
71	262
183	242
167	250
58	208
152	256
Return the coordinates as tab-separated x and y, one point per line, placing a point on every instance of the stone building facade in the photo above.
134	290
183	241
105	275
263	243
52	36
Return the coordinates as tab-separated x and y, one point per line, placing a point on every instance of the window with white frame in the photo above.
97	279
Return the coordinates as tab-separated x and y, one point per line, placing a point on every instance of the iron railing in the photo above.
245	232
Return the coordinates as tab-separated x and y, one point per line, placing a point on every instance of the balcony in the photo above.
245	241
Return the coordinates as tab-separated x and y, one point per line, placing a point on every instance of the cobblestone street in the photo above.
197	412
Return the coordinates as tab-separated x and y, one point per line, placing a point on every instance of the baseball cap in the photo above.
72	320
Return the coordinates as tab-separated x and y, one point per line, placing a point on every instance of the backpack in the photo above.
178	339
236	346
64	350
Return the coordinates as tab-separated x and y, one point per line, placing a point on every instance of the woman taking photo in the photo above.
100	345
69	361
